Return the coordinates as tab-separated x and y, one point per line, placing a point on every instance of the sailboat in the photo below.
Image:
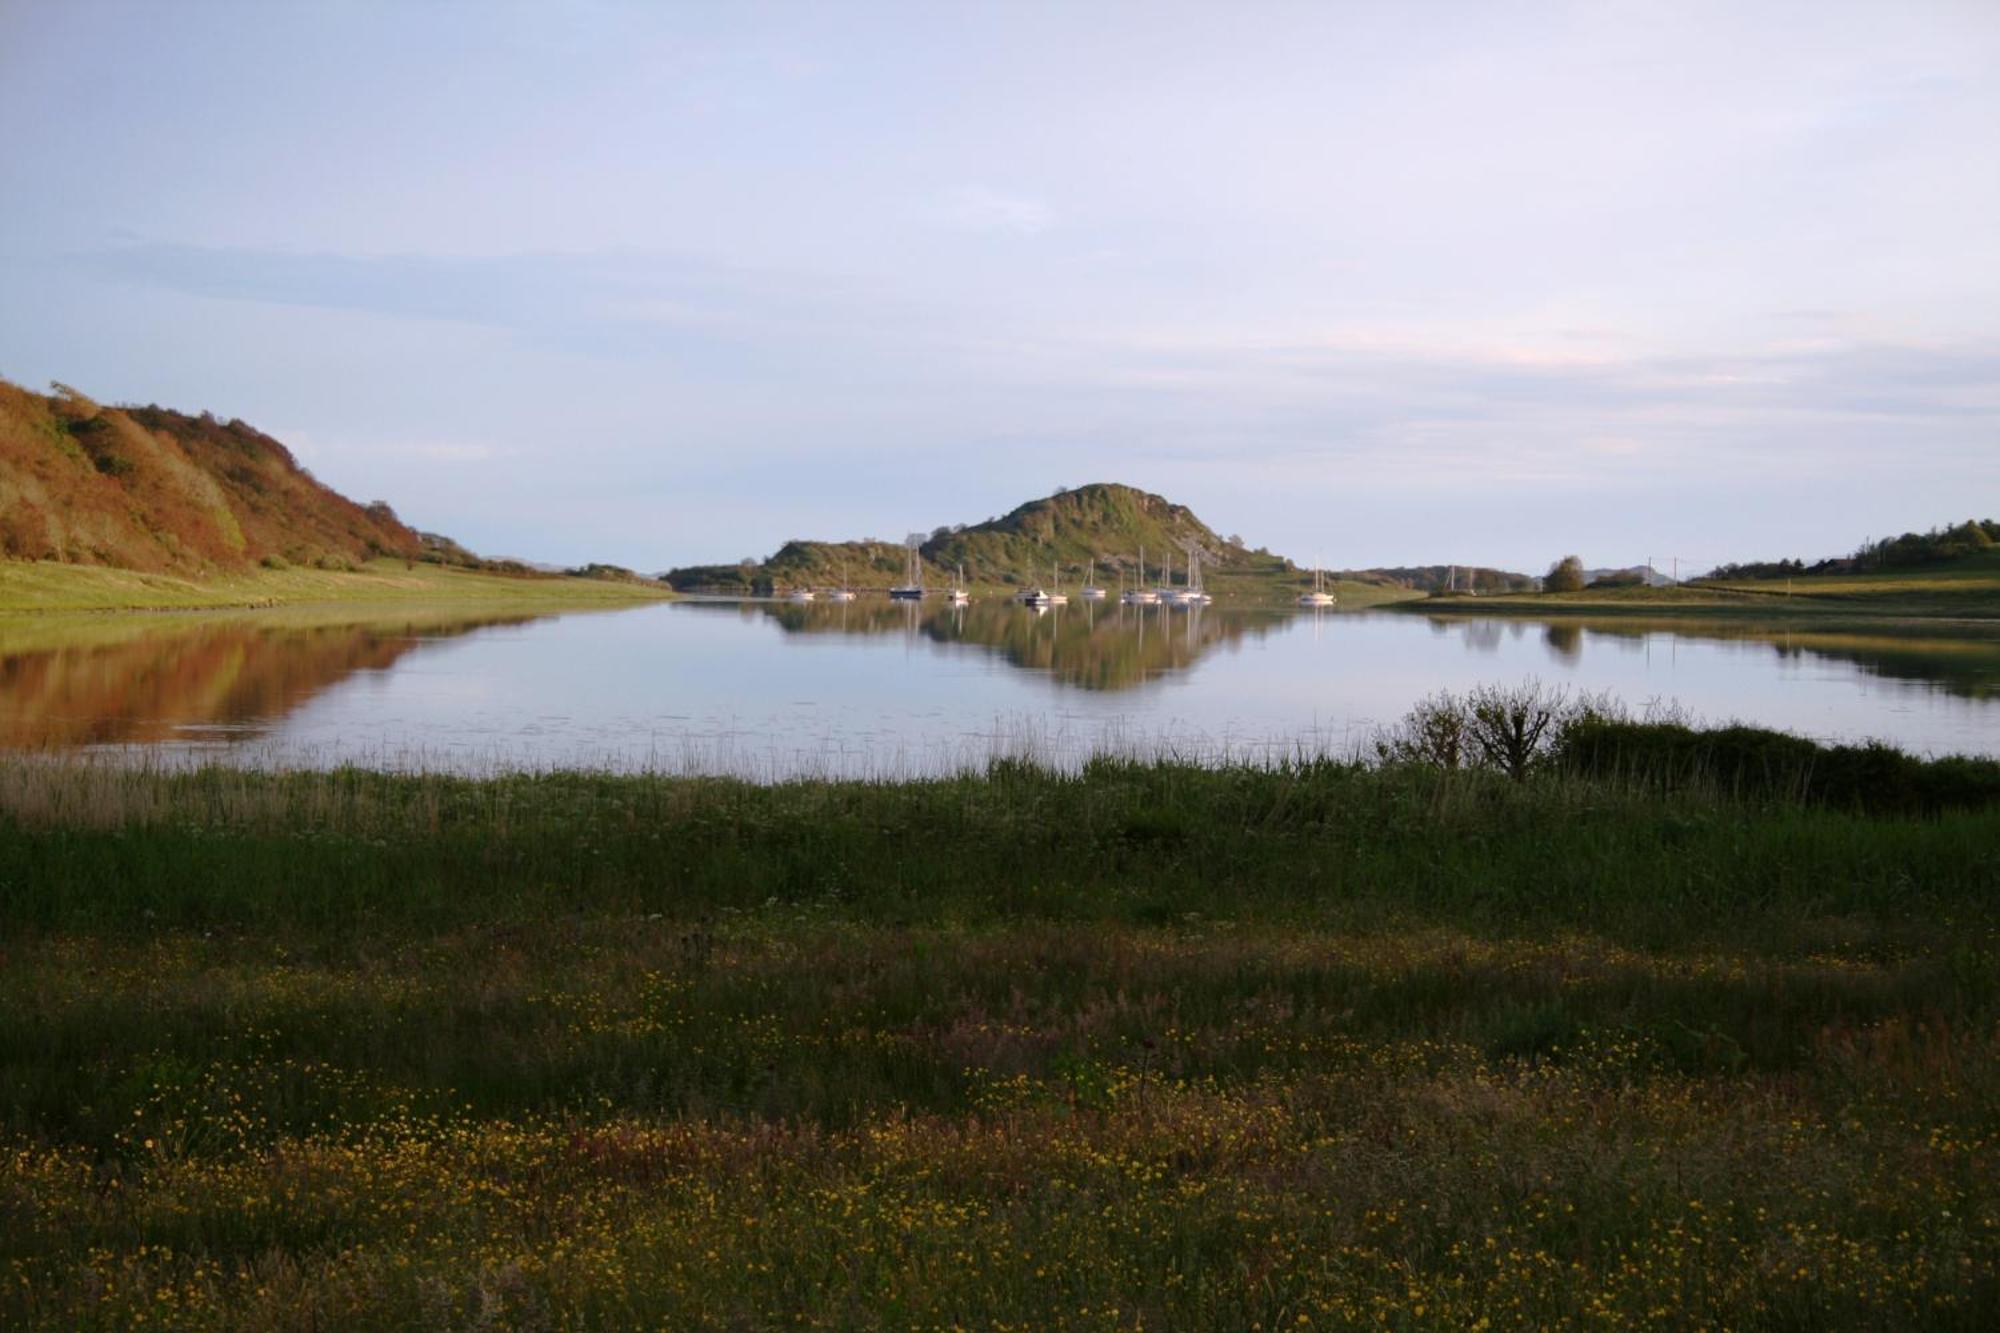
1091	592
1194	595
1319	596
911	589
1044	597
958	595
843	593
1138	595
1166	592
799	595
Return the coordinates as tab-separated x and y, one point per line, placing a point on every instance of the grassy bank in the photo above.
1151	1046
1967	588
49	586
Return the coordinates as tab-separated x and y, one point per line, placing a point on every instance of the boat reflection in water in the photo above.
1090	645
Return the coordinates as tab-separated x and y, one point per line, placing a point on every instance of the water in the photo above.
874	688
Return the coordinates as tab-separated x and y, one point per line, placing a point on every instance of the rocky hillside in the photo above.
150	489
1104	522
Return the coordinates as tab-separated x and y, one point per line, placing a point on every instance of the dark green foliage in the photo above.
1751	763
1912	550
1565	575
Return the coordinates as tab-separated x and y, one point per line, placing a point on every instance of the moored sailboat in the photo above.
1091	592
1319	596
911	589
1138	594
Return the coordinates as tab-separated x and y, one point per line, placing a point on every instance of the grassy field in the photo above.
1151	1046
44	586
1966	588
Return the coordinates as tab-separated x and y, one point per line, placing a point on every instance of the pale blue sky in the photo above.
1384	282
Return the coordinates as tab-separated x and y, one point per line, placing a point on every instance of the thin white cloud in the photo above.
983	208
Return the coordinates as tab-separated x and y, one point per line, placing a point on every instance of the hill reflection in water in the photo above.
133	679
773	689
1093	646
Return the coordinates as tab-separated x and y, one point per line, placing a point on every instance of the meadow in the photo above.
1144	1046
47	586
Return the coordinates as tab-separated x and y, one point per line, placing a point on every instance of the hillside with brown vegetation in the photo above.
147	488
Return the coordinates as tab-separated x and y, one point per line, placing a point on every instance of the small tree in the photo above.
1510	725
1433	734
1565	575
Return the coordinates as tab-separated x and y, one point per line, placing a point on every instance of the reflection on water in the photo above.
775	689
148	679
1966	664
1085	644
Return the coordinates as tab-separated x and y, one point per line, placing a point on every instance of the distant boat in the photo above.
1194	594
1165	592
1139	595
958	595
843	593
800	595
1091	592
1043	598
911	589
1319	596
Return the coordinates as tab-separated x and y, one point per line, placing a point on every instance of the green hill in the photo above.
1103	522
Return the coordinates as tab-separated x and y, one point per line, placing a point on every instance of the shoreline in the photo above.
40	588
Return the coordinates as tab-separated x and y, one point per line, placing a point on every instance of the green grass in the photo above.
1148	1046
42	586
1965	588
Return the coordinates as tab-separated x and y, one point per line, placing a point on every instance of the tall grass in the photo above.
1142	1044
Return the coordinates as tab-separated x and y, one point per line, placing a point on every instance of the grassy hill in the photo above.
1103	522
113	508
158	491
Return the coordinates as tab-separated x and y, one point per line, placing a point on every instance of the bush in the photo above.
1433	735
1512	729
1753	763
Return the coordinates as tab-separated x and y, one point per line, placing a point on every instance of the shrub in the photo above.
1565	575
1753	763
1432	734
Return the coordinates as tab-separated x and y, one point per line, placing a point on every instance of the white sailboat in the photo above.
1091	592
958	595
799	595
1166	593
1319	596
843	593
1193	594
1138	594
1042	598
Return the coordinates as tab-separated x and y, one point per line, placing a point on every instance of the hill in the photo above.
1445	578
1104	521
159	491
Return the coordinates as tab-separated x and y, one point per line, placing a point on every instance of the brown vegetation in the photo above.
151	489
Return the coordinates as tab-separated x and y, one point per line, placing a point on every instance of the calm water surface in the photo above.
771	690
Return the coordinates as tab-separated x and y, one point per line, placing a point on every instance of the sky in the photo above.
1365	283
